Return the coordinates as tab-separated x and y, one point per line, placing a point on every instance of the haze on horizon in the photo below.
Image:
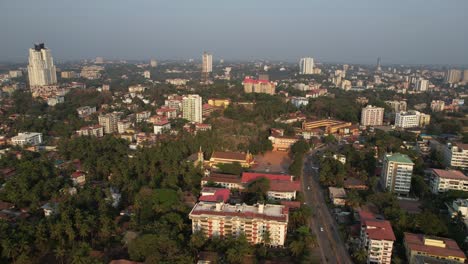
398	31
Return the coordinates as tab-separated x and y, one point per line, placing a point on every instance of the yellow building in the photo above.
219	102
219	157
331	126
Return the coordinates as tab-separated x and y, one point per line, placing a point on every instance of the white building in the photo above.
397	106
446	180
147	74
411	119
453	76
15	73
27	138
221	220
456	155
109	122
372	116
306	66
377	238
421	85
96	131
437	105
337	196
299	101
161	126
41	68
192	108
85	111
397	171
123	125
459	206
154	63
207	65
52	101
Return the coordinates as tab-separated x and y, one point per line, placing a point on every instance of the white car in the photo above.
308	187
321	229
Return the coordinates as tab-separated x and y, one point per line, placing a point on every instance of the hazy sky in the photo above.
353	31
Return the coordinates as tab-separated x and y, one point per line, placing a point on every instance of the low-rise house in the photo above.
352	183
161	126
432	248
337	196
50	209
78	178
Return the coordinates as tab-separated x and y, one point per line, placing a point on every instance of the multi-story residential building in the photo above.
177	81
69	75
41	68
137	88
109	122
27	138
92	72
446	180
397	106
459	206
437	105
123	126
456	155
299	101
465	76
143	116
421	85
147	74
174	101
85	111
258	86
411	119
306	66
192	108
453	76
216	102
96	131
397	171
167	112
372	116
15	73
255	222
376	238
161	126
432	249
207	62
154	63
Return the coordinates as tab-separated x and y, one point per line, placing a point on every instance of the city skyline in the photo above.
408	33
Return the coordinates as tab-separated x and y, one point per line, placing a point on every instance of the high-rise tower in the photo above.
207	65
41	68
306	66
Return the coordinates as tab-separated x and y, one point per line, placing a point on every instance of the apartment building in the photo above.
372	116
109	122
85	111
456	155
376	238
411	119
446	180
96	131
432	249
397	106
27	138
258	86
396	173
255	222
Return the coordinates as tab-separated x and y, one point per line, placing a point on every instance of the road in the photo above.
331	246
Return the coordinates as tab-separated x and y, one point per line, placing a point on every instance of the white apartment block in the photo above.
306	66
411	119
456	155
27	138
85	111
255	222
207	65
192	108
299	101
372	116
109	122
446	180
123	125
421	85
376	239
96	131
161	126
396	173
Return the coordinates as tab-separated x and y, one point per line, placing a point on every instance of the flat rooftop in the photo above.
269	212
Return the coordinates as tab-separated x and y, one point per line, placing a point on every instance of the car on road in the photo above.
308	187
321	229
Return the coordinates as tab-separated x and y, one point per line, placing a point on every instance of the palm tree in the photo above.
360	256
60	253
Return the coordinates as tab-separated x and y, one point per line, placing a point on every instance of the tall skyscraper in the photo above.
192	108
397	172
306	66
372	116
207	65
41	68
465	76
453	76
379	67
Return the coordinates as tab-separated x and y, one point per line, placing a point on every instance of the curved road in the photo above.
332	248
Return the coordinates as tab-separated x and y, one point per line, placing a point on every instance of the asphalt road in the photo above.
330	244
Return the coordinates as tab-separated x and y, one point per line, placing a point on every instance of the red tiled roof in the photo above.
250	176
229	155
221	194
285	186
253	81
77	174
218	177
461	145
450	174
291	204
375	228
161	122
416	243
